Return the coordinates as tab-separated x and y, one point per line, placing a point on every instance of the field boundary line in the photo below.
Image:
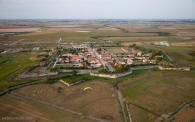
119	97
128	111
145	109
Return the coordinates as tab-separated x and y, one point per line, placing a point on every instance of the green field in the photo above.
181	55
159	92
11	65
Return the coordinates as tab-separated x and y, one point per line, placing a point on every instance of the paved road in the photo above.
95	53
110	68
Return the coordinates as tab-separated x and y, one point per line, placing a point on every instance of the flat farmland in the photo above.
115	31
99	101
20	30
156	93
36	33
186	115
151	93
25	111
183	44
183	55
11	65
133	38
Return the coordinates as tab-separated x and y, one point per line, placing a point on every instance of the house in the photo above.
139	53
67	61
77	60
129	61
67	55
121	62
59	60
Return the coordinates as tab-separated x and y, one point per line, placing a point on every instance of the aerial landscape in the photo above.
96	69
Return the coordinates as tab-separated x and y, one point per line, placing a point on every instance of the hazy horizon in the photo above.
97	9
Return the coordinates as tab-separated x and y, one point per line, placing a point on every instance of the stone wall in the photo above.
111	75
123	74
173	68
138	68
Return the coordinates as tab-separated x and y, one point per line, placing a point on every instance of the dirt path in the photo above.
145	109
128	111
119	97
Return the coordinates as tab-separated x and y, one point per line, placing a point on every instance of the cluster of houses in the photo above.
127	58
82	56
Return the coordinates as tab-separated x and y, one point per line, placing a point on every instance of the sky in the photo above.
97	9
